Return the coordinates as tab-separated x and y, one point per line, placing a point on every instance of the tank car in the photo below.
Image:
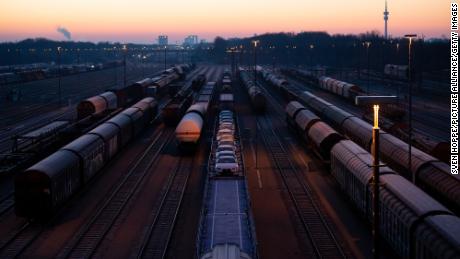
97	104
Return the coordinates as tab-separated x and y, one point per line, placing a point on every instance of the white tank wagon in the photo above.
188	131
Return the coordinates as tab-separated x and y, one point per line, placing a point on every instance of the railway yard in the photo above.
203	160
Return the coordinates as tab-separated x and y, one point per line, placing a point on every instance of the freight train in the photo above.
256	95
414	224
431	174
44	187
188	131
181	101
226	227
177	106
344	89
329	84
198	82
39	71
118	98
226	85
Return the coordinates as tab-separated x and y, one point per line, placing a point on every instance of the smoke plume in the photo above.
64	32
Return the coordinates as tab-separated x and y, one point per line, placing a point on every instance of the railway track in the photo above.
320	234
16	242
6	138
23	115
85	242
156	240
7	202
422	119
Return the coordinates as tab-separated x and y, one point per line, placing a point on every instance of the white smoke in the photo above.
64	32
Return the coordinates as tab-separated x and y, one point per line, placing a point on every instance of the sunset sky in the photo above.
141	21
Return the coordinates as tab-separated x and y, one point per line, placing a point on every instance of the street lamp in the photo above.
232	52
117	65
255	43
165	56
376	182
124	65
78	64
59	74
410	37
375	101
240	59
142	61
312	46
367	44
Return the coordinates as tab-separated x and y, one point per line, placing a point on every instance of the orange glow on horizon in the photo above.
143	20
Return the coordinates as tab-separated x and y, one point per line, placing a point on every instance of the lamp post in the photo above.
232	52
255	43
367	44
240	59
397	60
115	53
124	64
409	166
375	101
272	52
165	57
78	63
311	54
142	60
376	183
59	74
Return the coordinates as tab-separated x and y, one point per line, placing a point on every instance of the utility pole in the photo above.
142	61
232	52
409	168
165	57
368	44
59	74
78	63
376	184
124	65
256	42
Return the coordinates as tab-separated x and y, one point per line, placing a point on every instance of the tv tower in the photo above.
385	18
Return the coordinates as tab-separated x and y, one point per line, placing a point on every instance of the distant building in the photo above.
385	18
163	40
191	40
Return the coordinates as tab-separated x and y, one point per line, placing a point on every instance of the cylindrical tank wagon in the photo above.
97	104
188	131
